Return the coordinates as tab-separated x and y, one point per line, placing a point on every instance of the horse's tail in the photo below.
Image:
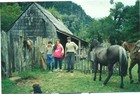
123	60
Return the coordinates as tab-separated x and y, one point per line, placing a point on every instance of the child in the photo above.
50	58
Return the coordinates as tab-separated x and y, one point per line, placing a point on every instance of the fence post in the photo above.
4	53
15	56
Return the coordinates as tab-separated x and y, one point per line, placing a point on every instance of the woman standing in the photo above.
58	54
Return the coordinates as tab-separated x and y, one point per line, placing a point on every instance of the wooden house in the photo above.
37	21
36	24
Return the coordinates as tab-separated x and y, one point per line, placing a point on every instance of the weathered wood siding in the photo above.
4	54
33	23
19	58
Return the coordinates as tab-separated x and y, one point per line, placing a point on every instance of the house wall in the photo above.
33	23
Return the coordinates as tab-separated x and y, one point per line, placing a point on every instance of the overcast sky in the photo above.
93	8
99	8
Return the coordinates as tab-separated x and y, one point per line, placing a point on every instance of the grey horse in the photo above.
108	56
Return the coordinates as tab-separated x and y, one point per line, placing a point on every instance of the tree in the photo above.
127	21
117	14
102	29
131	23
55	13
72	22
111	1
83	34
9	14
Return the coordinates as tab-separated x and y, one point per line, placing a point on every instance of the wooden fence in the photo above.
4	54
17	58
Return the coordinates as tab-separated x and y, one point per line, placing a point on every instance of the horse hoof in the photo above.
132	81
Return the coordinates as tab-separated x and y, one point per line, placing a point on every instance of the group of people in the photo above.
55	54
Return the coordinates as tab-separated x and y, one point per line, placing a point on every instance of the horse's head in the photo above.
28	44
94	43
138	43
124	45
129	46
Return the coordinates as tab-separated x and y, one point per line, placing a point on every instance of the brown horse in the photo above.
135	58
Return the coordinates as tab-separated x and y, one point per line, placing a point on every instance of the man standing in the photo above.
71	47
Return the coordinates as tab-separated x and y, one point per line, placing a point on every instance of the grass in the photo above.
63	82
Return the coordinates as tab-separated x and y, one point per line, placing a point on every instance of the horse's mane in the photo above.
100	46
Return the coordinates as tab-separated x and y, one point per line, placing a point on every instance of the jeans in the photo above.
70	60
56	62
50	59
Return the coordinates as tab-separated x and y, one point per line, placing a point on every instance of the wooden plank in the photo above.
65	63
37	51
4	54
43	62
10	53
15	56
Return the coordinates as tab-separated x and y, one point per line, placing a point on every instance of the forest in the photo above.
121	25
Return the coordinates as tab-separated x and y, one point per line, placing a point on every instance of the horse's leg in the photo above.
110	72
95	71
100	78
130	69
121	85
93	67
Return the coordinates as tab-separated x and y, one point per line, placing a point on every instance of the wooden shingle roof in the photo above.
61	28
57	23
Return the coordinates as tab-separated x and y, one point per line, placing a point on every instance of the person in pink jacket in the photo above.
58	54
